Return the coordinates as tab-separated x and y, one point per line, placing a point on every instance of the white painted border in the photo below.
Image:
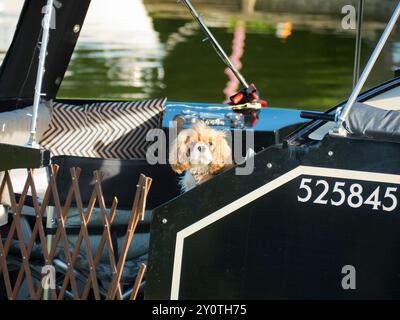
255	194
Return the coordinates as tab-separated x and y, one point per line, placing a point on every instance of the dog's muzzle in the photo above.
200	155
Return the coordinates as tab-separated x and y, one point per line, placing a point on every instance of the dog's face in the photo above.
200	147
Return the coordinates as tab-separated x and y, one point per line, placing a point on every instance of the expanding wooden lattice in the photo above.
60	242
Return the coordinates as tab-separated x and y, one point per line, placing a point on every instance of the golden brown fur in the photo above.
214	157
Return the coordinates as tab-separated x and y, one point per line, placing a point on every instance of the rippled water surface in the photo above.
124	52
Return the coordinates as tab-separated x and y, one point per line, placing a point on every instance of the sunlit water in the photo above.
124	53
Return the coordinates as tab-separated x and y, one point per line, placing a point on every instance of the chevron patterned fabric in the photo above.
109	130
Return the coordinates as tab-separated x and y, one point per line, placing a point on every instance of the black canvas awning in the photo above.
19	68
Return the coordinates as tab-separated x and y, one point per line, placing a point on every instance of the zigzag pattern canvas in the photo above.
110	130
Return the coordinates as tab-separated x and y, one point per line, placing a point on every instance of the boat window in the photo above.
9	14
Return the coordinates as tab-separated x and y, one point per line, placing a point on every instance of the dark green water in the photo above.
158	57
309	70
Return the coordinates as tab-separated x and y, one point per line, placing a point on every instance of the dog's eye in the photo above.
210	144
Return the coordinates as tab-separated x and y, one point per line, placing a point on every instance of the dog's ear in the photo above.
178	158
222	155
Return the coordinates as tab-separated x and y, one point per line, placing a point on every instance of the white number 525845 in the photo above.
341	194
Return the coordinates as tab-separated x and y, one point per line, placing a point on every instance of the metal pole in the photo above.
369	66
215	43
40	72
357	58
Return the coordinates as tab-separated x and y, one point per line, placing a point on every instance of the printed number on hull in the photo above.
342	193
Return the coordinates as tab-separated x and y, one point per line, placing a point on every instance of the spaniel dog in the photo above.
200	152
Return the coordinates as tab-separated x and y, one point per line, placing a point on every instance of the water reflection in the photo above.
124	52
119	54
292	68
238	48
9	11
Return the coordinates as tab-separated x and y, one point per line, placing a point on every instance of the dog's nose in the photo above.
201	148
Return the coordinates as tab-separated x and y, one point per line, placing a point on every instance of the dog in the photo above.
200	153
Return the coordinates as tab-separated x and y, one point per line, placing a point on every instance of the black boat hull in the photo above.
259	237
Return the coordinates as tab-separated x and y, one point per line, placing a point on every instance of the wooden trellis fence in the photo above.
60	241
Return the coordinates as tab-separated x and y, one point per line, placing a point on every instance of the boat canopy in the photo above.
366	121
19	68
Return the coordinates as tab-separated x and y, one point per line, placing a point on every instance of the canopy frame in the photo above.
342	114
